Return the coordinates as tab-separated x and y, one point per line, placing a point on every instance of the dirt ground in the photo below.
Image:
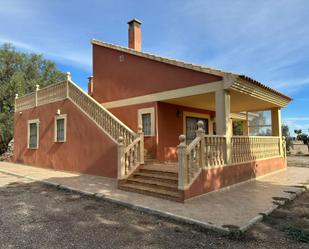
33	215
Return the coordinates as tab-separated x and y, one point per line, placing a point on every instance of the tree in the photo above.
237	128
19	73
298	133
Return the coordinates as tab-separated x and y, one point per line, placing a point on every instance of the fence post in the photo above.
121	158
16	97
182	163
141	147
68	78
37	88
200	132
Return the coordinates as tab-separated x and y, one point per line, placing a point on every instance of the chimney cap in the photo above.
134	21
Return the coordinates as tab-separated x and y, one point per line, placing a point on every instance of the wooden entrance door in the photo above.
191	127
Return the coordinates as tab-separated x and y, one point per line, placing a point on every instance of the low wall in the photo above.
87	148
217	178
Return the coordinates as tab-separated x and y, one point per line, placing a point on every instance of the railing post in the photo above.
37	88
121	158
15	106
141	152
200	132
68	78
228	149
182	163
284	148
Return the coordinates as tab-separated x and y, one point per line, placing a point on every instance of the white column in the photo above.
276	126
200	132
68	79
223	109
16	97
37	88
141	152
182	163
276	122
121	159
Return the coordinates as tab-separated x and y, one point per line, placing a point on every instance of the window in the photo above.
60	128
33	134
146	123
260	123
146	119
191	127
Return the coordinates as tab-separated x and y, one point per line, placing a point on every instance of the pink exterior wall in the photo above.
170	126
137	76
216	178
87	149
129	116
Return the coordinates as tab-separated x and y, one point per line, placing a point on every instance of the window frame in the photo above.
57	117
37	122
150	111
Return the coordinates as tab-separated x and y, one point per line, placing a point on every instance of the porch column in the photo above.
245	126
276	126
276	122
223	119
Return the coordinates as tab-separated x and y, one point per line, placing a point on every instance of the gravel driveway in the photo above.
33	215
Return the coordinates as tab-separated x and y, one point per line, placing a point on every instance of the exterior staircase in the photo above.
159	180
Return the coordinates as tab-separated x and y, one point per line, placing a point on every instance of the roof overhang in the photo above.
249	88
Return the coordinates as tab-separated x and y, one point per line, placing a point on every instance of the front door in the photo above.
191	127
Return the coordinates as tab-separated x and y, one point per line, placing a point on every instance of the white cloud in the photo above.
62	54
263	39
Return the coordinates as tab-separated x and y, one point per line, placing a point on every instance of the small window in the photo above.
33	134
60	128
146	123
146	119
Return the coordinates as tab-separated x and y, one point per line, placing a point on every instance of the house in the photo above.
159	126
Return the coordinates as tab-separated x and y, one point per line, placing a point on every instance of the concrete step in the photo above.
157	184
156	176
165	194
158	172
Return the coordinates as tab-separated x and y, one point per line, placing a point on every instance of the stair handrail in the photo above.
130	157
190	157
114	127
204	151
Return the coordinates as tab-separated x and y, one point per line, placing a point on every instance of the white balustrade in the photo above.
251	148
208	151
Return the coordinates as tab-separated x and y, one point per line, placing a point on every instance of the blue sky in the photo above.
265	39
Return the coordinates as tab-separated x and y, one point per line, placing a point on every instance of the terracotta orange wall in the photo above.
136	76
129	116
170	126
216	178
87	149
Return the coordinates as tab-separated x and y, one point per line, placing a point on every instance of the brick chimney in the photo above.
135	35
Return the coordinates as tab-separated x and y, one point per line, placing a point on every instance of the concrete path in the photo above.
239	205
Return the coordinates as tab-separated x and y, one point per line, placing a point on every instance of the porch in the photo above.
215	157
